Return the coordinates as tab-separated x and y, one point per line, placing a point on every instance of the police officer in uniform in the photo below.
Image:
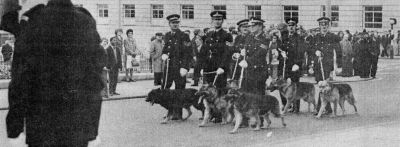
294	54
214	54
325	45
255	63
177	54
239	44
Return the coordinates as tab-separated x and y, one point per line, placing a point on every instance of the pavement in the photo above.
133	122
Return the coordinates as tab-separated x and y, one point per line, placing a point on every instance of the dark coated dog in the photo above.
252	106
293	91
175	99
335	93
215	104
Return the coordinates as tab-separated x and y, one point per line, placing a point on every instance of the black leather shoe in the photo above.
116	93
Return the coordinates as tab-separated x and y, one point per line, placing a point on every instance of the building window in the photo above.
187	12
254	11
334	15
373	16
103	10
129	11
291	12
158	11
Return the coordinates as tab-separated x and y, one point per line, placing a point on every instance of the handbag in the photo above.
135	62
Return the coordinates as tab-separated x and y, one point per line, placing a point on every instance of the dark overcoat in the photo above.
56	77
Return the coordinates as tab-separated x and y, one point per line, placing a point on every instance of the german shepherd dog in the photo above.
175	99
252	106
293	91
334	93
214	103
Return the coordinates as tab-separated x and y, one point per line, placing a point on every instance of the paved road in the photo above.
134	122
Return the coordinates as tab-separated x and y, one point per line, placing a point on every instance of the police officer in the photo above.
255	63
214	54
239	44
325	45
294	54
177	54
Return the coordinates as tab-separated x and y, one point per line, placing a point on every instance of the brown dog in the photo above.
252	106
293	91
214	103
334	93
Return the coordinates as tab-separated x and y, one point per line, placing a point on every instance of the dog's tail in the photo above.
352	100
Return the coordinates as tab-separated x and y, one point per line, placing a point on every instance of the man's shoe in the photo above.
195	84
116	93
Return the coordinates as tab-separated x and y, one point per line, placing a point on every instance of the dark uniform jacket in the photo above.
374	47
293	47
215	53
56	77
327	44
256	57
177	46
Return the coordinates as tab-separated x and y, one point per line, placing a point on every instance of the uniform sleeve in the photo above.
226	55
152	50
165	48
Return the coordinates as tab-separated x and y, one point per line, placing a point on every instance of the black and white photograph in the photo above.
199	73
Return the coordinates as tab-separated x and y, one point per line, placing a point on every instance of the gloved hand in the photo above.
17	142
295	67
311	71
284	54
236	55
220	71
164	57
183	72
201	72
243	64
318	53
243	52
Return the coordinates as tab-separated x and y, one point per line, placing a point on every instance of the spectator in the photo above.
386	41
373	50
120	45
274	53
105	76
347	51
130	55
7	51
156	48
114	64
196	43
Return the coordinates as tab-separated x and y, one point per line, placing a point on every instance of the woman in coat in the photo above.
155	54
347	56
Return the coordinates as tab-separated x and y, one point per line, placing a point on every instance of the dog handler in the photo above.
325	45
177	51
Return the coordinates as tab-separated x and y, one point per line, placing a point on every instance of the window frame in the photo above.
129	10
291	11
334	19
376	21
254	12
159	9
187	13
103	10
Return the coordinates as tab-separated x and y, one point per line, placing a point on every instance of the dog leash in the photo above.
242	74
166	74
234	71
322	68
215	79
